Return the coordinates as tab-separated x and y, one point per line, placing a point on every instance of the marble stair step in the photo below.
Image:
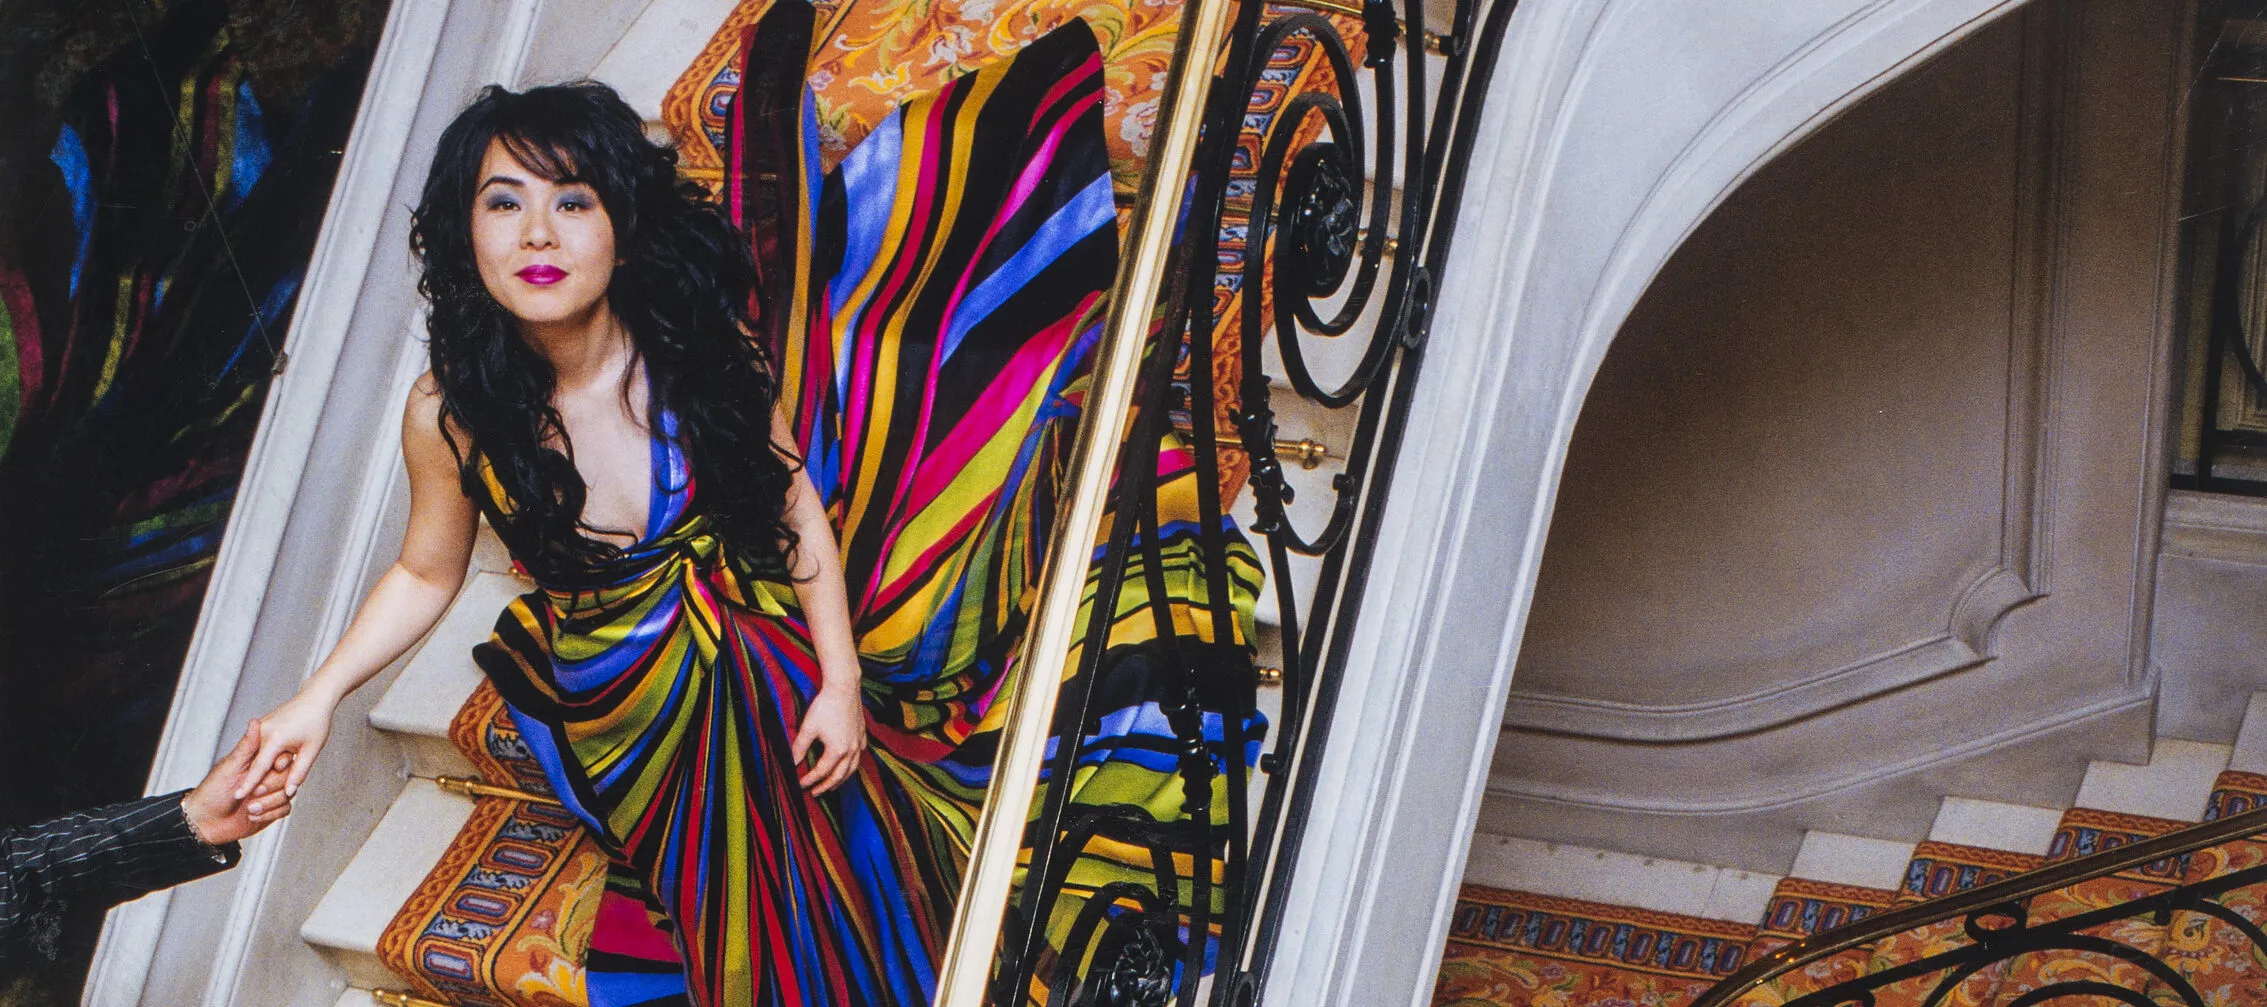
393	861
440	676
1995	825
2250	754
1857	861
1654	884
2176	784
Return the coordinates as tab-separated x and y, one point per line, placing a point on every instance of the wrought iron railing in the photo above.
1347	192
1997	927
2225	443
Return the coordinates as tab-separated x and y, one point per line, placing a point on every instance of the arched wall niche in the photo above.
1873	449
1798	462
1614	129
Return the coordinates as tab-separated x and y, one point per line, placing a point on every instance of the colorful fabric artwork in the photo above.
154	244
166	173
932	300
856	327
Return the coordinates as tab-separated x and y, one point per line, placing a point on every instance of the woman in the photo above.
687	673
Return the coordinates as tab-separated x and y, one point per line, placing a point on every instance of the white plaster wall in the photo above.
2210	634
1612	128
1912	369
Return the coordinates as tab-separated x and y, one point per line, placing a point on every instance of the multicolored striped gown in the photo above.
932	305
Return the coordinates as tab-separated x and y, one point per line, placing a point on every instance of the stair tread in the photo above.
441	675
1838	879
1801	907
1609	878
414	834
2250	755
1994	825
2175	784
1859	861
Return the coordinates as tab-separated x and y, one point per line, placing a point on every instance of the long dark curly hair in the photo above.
682	291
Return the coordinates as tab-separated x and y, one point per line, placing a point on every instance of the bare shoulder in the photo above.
422	418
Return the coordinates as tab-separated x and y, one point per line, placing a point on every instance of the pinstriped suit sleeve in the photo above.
95	858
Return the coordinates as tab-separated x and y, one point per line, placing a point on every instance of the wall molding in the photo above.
1516	339
1780	796
2216	526
1974	610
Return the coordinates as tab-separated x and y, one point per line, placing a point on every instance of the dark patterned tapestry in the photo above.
164	169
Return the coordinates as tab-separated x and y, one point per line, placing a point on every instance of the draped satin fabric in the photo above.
931	315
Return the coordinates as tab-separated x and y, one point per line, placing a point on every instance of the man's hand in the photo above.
217	815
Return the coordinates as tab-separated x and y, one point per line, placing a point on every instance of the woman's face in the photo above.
545	250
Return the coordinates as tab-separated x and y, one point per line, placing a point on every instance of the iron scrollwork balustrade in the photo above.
1996	920
1360	211
2233	290
2235	273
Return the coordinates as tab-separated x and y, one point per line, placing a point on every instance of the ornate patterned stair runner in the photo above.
1514	949
1801	907
2084	831
1507	947
2213	955
503	919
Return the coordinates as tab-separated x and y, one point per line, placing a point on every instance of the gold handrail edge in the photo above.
972	943
2022	886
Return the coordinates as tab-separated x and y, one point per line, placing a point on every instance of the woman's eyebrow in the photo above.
501	180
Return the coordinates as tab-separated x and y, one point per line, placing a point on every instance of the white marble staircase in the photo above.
2175	784
416	711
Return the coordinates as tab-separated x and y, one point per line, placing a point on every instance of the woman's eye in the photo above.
502	203
574	203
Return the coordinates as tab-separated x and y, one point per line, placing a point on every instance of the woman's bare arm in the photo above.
836	718
407	601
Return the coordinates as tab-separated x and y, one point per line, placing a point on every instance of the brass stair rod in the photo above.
396	998
1959	904
1434	41
470	787
1306	452
975	935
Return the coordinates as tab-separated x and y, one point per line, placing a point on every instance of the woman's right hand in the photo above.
296	729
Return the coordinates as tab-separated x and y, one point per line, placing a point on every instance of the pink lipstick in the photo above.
542	275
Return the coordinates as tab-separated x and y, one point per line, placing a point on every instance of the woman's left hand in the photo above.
836	722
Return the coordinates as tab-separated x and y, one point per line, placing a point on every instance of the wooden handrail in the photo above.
1960	904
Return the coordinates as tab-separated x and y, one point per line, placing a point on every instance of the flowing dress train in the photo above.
931	305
